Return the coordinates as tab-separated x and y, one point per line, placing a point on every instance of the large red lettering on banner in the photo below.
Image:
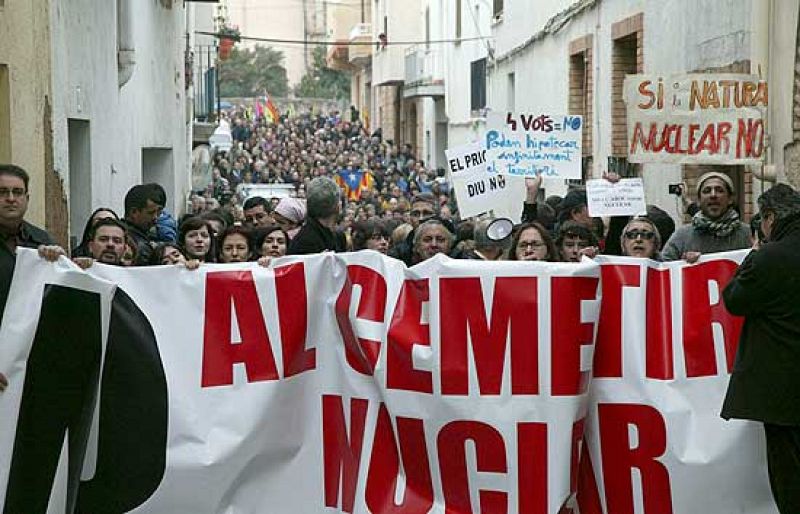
514	310
361	353
699	314
406	331
569	332
619	458
290	290
608	347
342	452
532	463
219	352
490	457
384	467
658	322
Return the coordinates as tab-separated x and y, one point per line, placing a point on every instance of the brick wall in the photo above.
742	176
581	88
627	57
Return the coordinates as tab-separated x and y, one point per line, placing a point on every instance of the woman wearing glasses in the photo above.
640	238
532	242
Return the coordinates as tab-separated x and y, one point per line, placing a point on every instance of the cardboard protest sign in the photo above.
696	119
530	144
623	198
477	191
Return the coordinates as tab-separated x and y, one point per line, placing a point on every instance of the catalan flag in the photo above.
353	182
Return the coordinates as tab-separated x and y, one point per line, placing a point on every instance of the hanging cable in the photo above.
339	43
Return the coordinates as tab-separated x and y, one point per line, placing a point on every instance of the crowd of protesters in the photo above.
351	191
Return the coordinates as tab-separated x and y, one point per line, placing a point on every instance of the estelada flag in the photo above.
353	182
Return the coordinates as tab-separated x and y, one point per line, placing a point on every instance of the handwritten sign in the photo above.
476	190
623	198
530	144
696	119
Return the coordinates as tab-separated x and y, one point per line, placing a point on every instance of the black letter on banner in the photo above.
132	445
59	394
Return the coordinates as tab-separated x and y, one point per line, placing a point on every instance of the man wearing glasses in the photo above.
15	232
423	208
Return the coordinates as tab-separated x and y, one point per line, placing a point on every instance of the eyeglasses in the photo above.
16	192
636	234
524	245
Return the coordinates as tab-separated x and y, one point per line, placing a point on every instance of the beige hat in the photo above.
715	174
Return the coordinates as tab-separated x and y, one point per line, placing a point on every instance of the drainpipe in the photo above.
126	53
760	56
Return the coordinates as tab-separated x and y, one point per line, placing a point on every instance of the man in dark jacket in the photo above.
765	384
141	213
318	234
15	232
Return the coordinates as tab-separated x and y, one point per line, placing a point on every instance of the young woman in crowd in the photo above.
195	237
82	250
532	242
167	253
234	245
640	238
371	235
271	242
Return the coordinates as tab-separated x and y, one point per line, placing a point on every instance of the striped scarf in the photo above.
720	227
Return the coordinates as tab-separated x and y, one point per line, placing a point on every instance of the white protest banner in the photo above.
696	119
530	144
328	383
623	198
477	191
664	352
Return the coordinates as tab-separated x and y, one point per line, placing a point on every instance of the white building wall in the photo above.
149	112
678	37
463	125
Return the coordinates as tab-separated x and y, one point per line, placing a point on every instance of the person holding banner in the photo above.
640	238
765	383
532	242
430	238
715	228
575	241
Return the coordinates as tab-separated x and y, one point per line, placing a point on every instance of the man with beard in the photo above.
106	244
715	228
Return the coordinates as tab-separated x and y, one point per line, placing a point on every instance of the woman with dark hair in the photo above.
234	245
195	236
271	241
371	235
167	253
82	250
532	242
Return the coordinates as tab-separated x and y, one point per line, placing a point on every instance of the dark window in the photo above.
478	84
498	8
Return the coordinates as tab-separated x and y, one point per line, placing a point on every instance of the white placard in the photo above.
696	119
530	144
623	198
477	191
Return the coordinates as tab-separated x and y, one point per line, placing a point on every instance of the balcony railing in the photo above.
422	65
361	53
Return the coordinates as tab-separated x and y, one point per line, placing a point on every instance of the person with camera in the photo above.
716	227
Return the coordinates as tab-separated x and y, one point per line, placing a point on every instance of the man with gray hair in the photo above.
318	234
765	383
430	238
